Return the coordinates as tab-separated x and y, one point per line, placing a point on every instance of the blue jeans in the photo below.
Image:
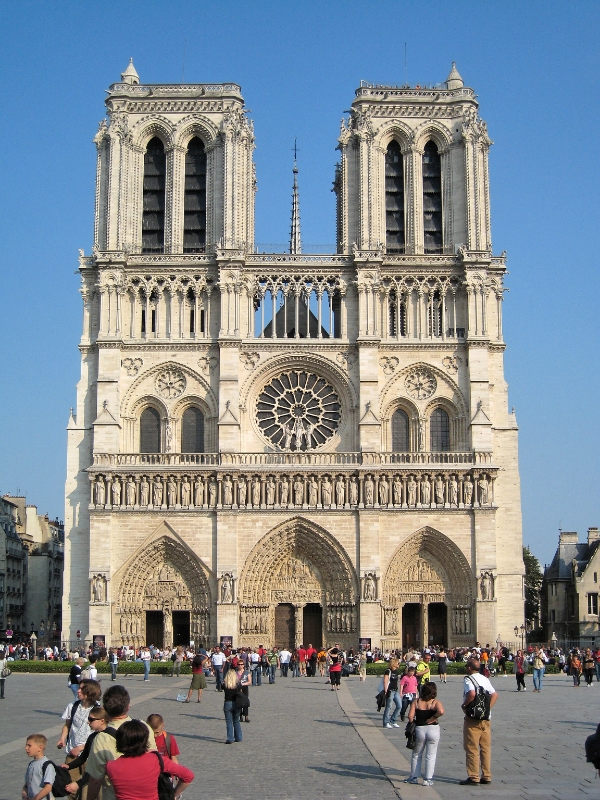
272	668
538	674
393	699
598	670
256	675
113	669
74	688
284	670
295	670
232	720
147	669
219	677
406	701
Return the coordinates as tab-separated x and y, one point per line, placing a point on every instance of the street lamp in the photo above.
523	635
516	630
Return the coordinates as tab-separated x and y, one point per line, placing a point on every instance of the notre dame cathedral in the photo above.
281	447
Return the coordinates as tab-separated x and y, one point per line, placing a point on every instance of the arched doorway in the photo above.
163	598
298	586
427	594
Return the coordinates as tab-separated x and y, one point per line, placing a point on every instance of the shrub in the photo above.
125	667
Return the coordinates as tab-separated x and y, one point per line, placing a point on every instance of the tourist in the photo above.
3	666
295	665
423	672
255	670
575	669
302	660
311	661
166	744
273	662
76	728
177	658
539	665
521	666
113	660
134	776
232	687
408	688
362	665
589	667
335	667
477	733
198	680
97	721
146	657
75	676
392	697
442	660
218	660
284	661
244	679
38	780
425	712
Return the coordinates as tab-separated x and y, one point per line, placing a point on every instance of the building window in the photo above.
552	615
394	199
432	199
150	431
595	577
192	431
153	217
194	218
397	315
593	604
400	438
434	314
439	431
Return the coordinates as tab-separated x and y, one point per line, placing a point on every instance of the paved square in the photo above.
301	744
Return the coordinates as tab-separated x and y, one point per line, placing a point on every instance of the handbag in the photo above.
5	672
241	701
166	790
411	734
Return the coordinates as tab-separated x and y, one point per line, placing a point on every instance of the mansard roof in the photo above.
562	563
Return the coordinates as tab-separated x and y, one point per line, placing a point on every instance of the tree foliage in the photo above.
533	583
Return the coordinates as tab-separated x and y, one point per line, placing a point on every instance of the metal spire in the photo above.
295	235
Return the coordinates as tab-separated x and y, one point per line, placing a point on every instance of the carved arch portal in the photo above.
428	568
298	563
164	576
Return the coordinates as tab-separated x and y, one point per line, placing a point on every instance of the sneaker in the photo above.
395	725
524	688
388	725
411	780
427	783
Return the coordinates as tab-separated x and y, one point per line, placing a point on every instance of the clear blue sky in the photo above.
534	66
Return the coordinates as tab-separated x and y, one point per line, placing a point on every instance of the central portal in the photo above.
181	628
285	626
154	628
312	624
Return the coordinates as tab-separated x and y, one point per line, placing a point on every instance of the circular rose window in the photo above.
298	411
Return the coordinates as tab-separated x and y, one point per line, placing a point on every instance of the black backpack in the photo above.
479	708
166	790
61	780
592	748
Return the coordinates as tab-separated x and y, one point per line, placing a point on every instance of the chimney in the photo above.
568	537
593	535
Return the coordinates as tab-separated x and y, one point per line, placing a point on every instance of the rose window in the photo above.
298	411
170	383
420	384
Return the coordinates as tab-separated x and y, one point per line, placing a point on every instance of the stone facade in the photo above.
285	447
13	570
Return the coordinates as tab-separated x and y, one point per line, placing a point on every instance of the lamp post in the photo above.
516	630
523	636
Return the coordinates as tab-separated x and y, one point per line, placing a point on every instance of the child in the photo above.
408	688
97	720
37	783
165	742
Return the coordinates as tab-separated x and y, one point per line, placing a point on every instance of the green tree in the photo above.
533	582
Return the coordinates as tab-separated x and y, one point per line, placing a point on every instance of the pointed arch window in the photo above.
397	314
150	431
192	431
435	314
153	215
394	199
432	199
439	431
400	435
194	217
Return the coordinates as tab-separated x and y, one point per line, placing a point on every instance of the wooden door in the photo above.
285	626
154	628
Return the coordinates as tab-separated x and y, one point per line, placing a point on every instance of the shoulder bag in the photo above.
166	790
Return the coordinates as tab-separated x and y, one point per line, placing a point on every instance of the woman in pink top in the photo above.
134	776
408	690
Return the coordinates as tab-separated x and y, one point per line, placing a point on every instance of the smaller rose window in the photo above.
170	383
420	384
298	411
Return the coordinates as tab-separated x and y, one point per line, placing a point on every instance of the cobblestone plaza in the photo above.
303	741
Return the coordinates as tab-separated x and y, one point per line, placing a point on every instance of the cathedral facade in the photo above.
280	447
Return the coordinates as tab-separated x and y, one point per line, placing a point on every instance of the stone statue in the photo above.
383	492
326	491
300	433
144	491
285	491
453	492
313	492
241	492
483	490
256	493
412	491
298	492
397	491
167	627
270	491
226	588
468	490
98	588
309	435
212	494
116	492
370	591
426	491
186	491
439	491
168	436
100	492
130	491
486	584
171	492
288	432
158	490
227	491
353	492
368	491
198	492
340	492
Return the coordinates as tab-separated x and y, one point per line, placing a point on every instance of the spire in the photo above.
295	235
454	81
130	76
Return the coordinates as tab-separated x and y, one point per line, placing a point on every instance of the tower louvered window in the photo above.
400	438
153	217
394	199
194	225
192	431
439	431
150	431
432	199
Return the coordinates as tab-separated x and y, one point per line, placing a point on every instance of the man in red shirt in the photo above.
311	661
302	660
